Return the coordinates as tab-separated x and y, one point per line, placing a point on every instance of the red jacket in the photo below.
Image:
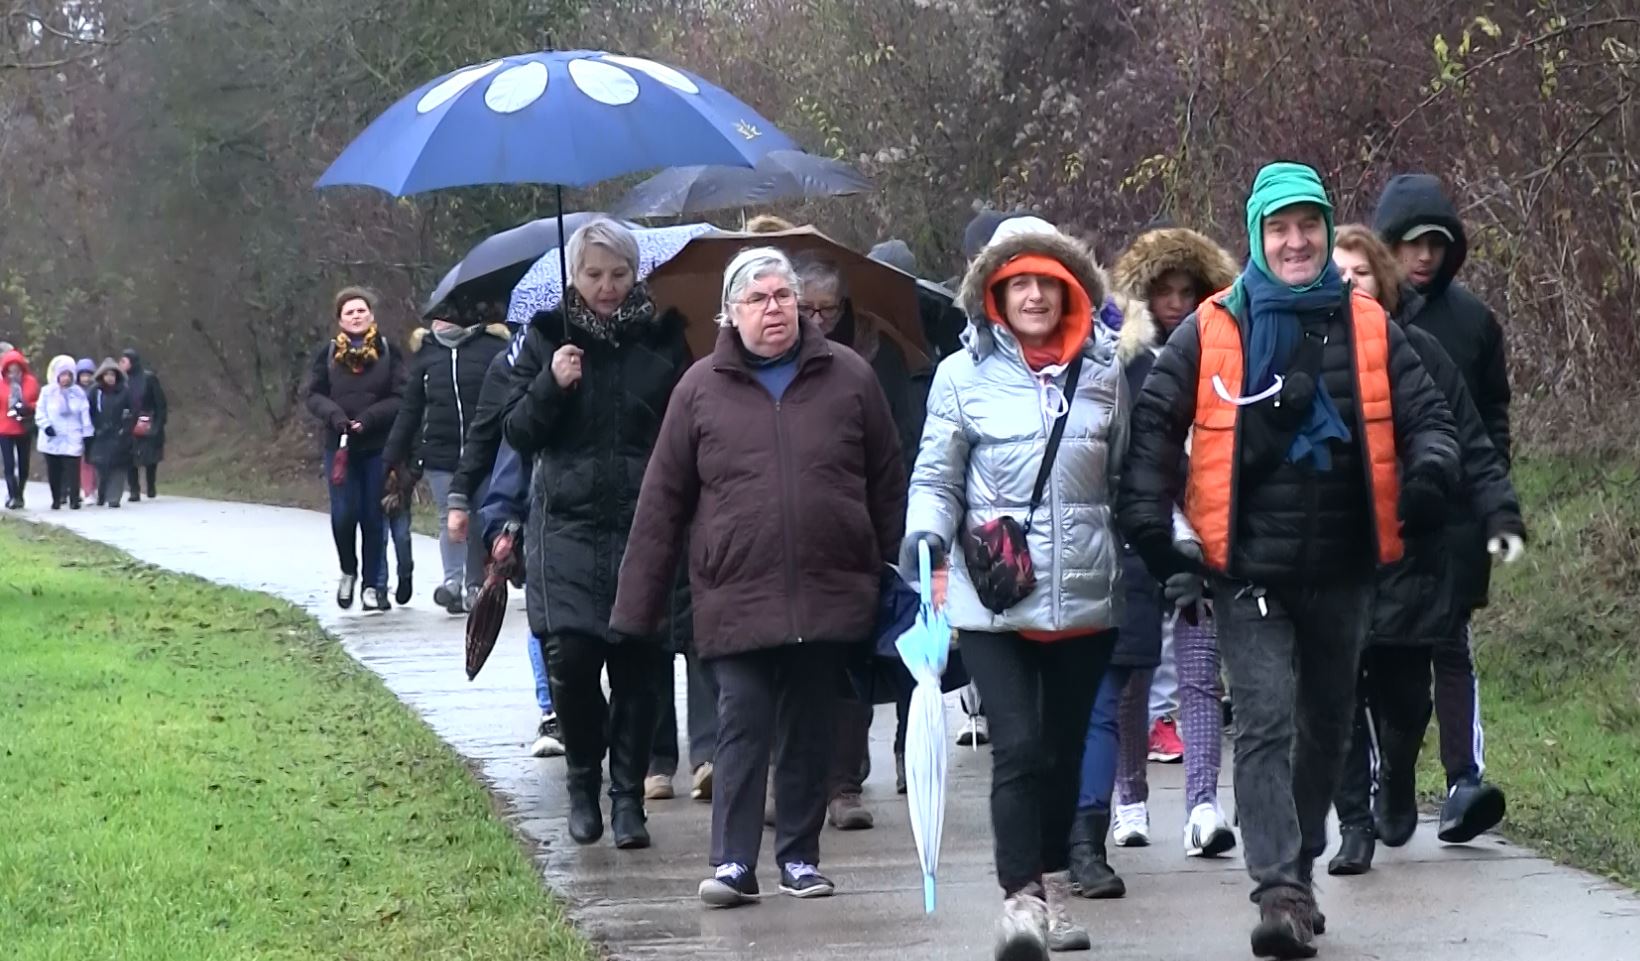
14	426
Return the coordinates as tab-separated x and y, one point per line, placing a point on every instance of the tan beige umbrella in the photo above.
692	282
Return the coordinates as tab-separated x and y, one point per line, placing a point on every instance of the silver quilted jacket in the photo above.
982	446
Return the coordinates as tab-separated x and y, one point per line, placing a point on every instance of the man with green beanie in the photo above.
1317	442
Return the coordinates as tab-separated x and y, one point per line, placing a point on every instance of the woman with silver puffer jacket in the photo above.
1032	355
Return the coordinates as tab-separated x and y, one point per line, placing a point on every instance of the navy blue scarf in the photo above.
1273	333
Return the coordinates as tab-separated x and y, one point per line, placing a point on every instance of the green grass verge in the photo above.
1559	659
193	772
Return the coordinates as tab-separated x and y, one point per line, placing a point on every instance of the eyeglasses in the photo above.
758	300
827	314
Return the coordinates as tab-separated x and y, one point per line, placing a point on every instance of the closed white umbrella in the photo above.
925	649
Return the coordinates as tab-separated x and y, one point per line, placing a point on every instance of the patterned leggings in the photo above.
1201	718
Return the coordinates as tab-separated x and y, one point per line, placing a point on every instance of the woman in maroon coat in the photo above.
779	459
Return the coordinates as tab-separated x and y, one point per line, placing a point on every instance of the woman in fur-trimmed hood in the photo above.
1032	355
1159	280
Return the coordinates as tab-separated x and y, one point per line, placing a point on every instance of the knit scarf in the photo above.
356	355
1273	333
637	309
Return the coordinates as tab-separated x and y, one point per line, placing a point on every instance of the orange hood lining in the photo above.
1074	326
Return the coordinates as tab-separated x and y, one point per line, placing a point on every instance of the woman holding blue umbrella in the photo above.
589	385
1015	483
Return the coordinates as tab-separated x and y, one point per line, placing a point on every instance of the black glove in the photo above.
936	550
50	431
1423	505
1186	588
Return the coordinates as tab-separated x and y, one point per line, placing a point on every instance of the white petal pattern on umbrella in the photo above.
659	71
451	88
515	88
603	82
541	288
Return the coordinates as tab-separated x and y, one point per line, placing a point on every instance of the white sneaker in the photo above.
1022	935
976	732
1132	828
1208	834
549	740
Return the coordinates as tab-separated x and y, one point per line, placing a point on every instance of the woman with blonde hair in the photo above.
1365	262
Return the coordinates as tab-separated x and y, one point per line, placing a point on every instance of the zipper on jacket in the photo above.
461	417
789	527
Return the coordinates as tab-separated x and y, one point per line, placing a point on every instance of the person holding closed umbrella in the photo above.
780	460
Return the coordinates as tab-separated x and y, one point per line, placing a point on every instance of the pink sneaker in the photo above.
1165	745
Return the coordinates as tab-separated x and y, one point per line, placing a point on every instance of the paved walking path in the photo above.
1490	901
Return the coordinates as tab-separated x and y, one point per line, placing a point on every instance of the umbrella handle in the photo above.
925	574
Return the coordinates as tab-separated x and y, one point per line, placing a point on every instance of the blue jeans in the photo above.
404	558
538	667
356	509
1099	755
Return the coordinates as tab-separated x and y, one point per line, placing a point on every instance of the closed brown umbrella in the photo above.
490	608
692	282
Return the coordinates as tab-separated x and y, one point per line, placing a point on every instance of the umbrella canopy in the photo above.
570	118
542	286
924	649
781	175
496	264
490	608
693	282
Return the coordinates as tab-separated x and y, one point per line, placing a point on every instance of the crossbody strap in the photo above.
1072	375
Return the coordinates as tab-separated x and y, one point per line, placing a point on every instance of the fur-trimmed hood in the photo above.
1156	252
1139	332
420	334
1071	253
110	364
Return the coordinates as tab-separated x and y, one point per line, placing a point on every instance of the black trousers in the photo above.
624	726
850	748
702	719
14	453
782	699
1394	708
1037	696
63	474
135	474
110	485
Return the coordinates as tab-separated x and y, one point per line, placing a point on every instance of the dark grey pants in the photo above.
780	700
702	719
1292	666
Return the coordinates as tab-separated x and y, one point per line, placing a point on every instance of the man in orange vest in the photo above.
1314	435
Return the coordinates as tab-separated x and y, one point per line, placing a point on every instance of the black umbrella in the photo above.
781	175
496	264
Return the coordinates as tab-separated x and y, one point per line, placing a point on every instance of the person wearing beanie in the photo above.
1317	443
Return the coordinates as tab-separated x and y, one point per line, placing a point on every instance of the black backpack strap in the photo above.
1073	375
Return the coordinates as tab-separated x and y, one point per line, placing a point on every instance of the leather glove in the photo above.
908	551
50	431
1423	506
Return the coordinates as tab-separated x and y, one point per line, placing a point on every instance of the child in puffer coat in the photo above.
64	421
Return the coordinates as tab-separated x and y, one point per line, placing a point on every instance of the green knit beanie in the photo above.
1281	185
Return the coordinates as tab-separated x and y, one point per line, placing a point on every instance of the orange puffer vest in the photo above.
1210	495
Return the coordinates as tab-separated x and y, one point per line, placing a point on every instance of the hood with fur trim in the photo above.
1070	253
1156	252
110	364
1139	332
420	334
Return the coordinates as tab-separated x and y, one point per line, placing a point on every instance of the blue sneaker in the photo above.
730	887
805	881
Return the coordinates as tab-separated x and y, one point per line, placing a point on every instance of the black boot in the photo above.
1355	849
1395	808
632	719
586	819
626	822
1091	873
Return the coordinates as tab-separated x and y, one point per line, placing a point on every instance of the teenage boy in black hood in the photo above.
1420	224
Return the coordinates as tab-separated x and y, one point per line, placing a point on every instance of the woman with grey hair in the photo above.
590	381
779	459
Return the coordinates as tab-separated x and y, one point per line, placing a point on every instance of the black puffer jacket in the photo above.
111	420
1419	598
590	446
483	439
336	395
441	397
1471	336
147	400
1296	524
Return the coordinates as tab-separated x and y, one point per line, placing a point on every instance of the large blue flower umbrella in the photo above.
568	118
